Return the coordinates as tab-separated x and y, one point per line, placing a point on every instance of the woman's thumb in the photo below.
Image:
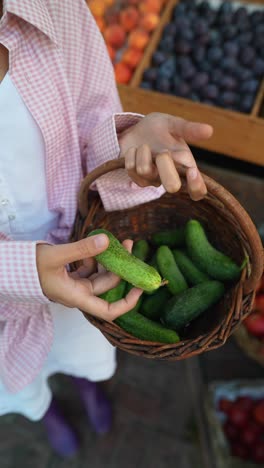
85	248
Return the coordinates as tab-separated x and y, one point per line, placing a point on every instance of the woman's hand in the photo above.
81	288
156	145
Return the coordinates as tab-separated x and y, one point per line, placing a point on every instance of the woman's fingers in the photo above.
169	176
196	185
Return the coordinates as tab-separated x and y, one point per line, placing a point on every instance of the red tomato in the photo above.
258	412
231	431
250	434
225	405
255	324
238	416
240	450
245	402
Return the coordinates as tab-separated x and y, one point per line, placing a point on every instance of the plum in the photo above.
217	76
183	90
228	98
200	27
229	83
188	72
258	67
198	54
240	14
186	34
210	91
229	32
167	44
204	39
205	66
180	9
170	30
204	7
168	68
249	86
163	85
226	8
231	48
244	38
229	64
256	17
214	54
243	73
183	47
247	56
201	79
159	57
150	74
215	37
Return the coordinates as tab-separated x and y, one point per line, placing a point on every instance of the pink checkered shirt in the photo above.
60	66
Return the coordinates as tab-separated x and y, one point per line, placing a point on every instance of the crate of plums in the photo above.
205	62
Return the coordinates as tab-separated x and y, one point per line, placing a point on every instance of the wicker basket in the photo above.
228	226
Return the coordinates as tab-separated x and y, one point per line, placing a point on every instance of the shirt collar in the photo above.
34	12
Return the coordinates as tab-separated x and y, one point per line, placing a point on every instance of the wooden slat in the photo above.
259	100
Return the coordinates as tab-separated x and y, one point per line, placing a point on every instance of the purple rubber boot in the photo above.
96	403
61	436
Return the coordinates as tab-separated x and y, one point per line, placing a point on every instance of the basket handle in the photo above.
230	202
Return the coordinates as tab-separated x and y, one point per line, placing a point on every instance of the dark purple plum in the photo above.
188	72
214	54
146	85
150	74
228	98
170	29
229	83
204	7
184	61
159	57
258	67
231	48
210	17
163	85
246	103
259	29
215	37
243	73
168	68
180	9
226	8
200	27
204	39
240	14
183	47
205	66
199	53
167	44
249	86
244	38
183	90
256	17
217	76
185	34
229	32
199	81
247	56
210	91
244	25
229	64
182	23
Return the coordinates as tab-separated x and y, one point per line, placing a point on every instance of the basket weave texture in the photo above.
229	227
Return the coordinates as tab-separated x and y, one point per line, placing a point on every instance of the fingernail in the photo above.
100	240
193	173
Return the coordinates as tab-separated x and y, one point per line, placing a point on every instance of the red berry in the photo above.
245	402
258	412
231	431
250	434
225	405
255	324
239	450
258	452
238	416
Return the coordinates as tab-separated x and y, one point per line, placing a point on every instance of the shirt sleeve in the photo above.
100	119
19	279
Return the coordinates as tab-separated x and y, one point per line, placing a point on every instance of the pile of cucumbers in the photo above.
182	275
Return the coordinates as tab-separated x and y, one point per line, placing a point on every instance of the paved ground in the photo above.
154	423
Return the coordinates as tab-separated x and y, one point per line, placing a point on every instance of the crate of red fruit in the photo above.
250	335
205	62
235	412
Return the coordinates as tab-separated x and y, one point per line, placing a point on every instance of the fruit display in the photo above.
178	284
243	426
210	54
254	323
126	27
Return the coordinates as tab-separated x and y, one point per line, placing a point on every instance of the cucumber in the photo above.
206	257
188	305
170	270
141	249
171	238
115	294
146	329
152	306
188	269
124	264
153	262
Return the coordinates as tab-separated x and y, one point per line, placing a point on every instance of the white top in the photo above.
78	347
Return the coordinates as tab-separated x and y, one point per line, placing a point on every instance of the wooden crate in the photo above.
238	135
